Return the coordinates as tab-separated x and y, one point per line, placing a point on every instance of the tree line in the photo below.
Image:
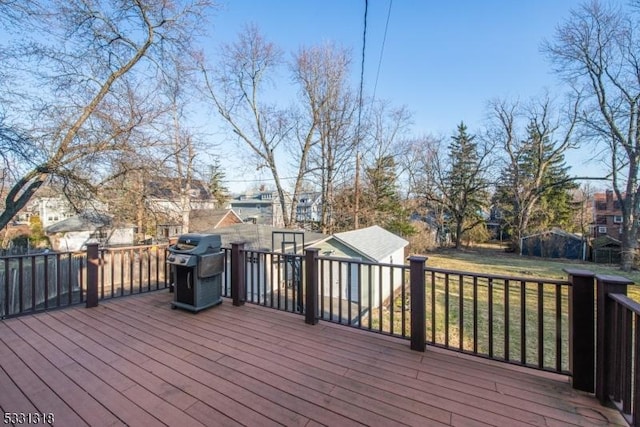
96	99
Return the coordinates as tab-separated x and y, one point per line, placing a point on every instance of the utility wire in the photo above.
384	39
364	45
357	181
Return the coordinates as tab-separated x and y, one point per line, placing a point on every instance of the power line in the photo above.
384	39
357	182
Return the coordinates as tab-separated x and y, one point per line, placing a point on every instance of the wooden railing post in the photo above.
311	286
237	274
418	303
604	338
582	346
93	261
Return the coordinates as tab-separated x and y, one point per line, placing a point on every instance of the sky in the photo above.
443	60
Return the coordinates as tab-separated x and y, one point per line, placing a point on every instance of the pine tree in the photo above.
534	192
465	185
217	189
381	201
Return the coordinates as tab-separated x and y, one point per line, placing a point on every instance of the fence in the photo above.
53	280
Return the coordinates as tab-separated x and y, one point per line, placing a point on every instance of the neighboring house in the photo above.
54	209
201	220
171	205
309	208
607	216
261	208
361	259
72	234
554	243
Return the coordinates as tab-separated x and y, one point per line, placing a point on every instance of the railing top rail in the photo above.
501	277
42	254
126	248
626	302
362	262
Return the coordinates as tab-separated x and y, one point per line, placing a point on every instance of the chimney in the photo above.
609	194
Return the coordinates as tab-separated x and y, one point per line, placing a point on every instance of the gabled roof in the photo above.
258	237
375	242
86	221
205	219
557	232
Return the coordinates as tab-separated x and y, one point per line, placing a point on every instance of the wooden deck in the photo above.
134	361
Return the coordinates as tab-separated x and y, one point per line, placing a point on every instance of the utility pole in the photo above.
356	221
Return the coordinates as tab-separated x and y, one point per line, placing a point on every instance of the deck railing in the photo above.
540	323
618	348
523	321
45	281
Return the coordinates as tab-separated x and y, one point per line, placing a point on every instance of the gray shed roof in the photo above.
258	237
375	242
86	221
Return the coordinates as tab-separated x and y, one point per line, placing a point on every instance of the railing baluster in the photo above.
558	329
446	310
20	284
475	314
7	276
523	322
461	313
370	297
506	320
540	325
626	361
636	372
433	307
490	308
46	281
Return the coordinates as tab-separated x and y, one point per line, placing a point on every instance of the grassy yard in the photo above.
522	316
493	260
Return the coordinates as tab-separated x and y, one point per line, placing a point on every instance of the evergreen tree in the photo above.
381	201
465	186
217	189
534	192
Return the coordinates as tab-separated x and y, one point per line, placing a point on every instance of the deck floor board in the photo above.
135	361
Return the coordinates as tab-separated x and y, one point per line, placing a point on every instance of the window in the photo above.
602	229
601	206
617	219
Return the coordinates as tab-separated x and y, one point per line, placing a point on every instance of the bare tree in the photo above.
236	88
596	51
326	138
69	76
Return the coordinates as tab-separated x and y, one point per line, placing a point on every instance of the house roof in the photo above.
375	242
205	219
258	236
557	232
82	222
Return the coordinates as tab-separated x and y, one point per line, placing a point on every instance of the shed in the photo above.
72	234
358	268
554	243
606	250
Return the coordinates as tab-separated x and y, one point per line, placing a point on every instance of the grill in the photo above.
197	264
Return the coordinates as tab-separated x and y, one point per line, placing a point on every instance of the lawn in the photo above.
521	319
493	260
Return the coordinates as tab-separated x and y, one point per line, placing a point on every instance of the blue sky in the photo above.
444	60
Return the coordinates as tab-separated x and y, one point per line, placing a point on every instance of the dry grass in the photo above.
493	260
